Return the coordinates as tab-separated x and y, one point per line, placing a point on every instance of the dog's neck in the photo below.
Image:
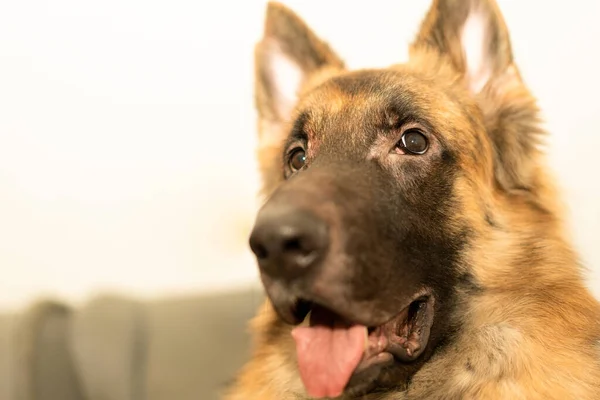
504	336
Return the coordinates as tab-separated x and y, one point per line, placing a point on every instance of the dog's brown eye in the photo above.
414	142
297	159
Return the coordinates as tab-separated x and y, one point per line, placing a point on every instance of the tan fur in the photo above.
533	332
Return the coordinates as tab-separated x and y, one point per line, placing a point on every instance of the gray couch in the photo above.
117	348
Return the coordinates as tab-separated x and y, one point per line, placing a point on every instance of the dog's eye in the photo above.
414	142
297	159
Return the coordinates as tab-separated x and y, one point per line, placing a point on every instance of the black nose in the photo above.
288	241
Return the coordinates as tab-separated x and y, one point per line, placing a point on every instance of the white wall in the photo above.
127	131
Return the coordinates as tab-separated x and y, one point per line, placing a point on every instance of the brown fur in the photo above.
530	329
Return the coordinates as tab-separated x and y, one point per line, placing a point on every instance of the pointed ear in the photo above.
472	36
288	55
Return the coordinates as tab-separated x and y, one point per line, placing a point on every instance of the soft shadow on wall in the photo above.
127	132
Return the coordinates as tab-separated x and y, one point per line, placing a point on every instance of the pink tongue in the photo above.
328	353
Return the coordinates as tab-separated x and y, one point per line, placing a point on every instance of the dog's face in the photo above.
378	184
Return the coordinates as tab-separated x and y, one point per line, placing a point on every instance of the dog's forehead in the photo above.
362	95
359	104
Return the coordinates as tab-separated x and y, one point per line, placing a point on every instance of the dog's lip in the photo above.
401	339
298	311
404	336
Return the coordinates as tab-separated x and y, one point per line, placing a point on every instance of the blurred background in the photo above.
127	134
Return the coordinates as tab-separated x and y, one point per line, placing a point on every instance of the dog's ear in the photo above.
472	33
473	36
287	56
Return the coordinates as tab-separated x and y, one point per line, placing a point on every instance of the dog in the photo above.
412	243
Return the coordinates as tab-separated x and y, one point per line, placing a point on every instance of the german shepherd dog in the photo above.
411	244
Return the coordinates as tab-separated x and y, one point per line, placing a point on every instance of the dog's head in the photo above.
381	184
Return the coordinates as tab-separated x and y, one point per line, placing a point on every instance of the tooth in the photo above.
306	321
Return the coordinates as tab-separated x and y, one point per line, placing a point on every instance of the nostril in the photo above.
292	245
258	247
260	252
299	251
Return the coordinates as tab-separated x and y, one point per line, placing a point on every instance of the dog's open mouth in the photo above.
332	350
